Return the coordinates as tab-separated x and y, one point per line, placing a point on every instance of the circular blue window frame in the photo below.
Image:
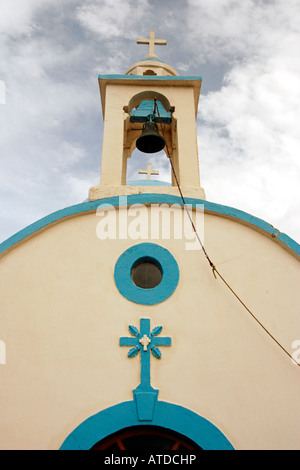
167	264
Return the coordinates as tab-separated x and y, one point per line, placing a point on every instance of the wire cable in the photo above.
212	265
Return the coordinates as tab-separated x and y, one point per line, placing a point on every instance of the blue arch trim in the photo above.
168	265
155	59
209	207
167	415
174	78
147	183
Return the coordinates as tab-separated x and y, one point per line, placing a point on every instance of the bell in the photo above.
150	141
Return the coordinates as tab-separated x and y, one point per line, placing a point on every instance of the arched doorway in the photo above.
146	439
174	419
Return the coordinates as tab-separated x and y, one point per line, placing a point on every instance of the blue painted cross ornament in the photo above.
146	342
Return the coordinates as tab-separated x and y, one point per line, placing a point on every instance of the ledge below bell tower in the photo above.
100	192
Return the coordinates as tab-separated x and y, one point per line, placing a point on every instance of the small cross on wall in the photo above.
152	42
145	340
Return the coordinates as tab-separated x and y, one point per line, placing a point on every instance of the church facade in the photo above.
147	313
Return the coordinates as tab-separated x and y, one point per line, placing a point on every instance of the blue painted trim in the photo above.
155	59
169	268
149	77
145	396
166	415
146	108
147	183
209	207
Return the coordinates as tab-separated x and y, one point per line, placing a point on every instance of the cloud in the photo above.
16	16
46	133
109	19
51	124
231	30
248	130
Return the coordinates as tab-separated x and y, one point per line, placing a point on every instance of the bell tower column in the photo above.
185	151
113	164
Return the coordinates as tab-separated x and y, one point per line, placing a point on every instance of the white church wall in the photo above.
62	316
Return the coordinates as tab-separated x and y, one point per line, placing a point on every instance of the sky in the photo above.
247	53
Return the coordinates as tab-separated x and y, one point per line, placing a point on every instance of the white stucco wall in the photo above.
62	316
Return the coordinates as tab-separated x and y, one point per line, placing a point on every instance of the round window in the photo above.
146	273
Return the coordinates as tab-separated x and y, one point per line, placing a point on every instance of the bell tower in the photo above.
150	107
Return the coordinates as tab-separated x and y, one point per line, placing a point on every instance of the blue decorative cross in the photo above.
146	342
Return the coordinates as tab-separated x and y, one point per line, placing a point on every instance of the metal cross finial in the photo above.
148	172
152	42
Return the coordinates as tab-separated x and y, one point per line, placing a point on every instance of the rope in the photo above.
212	265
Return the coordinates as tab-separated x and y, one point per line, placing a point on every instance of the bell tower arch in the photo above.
142	108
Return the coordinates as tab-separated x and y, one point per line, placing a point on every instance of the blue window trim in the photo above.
209	208
147	183
168	265
167	415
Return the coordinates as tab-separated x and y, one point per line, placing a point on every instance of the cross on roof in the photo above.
152	42
148	172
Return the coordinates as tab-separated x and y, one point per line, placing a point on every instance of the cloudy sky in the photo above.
247	53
